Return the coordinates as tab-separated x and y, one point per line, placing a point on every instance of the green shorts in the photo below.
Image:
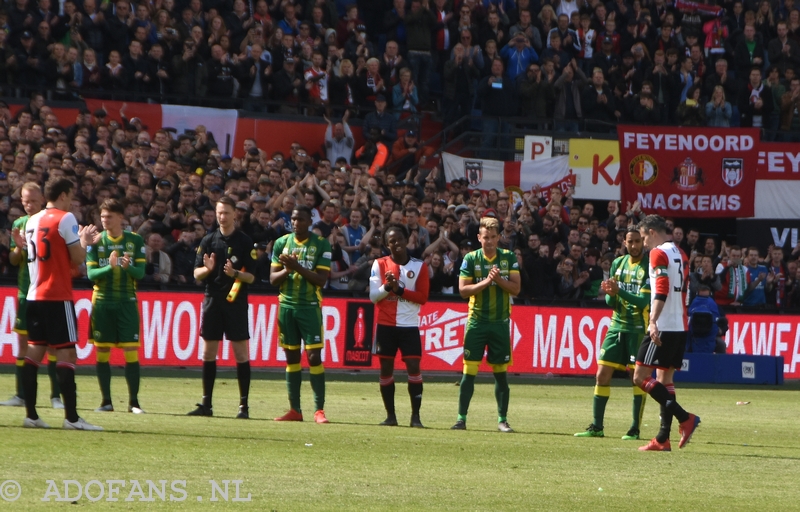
21	323
491	337
114	324
300	325
619	349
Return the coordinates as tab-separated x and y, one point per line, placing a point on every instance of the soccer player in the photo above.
55	242
663	346
31	197
115	262
628	292
301	262
489	277
399	285
225	261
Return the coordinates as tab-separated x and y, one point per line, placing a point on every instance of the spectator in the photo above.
569	86
460	75
420	23
790	112
569	279
404	95
443	275
690	112
704	275
518	55
384	121
339	139
718	110
749	52
598	102
734	278
497	97
757	276
536	94
755	101
182	255
287	87
374	152
158	267
776	278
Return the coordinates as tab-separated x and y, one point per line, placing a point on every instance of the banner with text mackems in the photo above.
544	339
689	172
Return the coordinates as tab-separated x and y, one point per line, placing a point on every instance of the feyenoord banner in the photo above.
544	339
689	172
778	183
484	174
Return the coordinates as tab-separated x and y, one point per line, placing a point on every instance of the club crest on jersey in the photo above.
732	171
504	265
129	247
640	273
312	251
410	274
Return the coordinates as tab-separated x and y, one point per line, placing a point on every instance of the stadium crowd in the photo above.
565	65
560	63
169	186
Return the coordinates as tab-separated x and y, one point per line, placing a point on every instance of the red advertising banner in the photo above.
689	172
545	339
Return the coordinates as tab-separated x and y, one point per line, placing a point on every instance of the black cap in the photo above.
164	183
84	111
100	113
224	158
411	133
398	184
253	151
26	35
361	28
608	39
380	97
215	188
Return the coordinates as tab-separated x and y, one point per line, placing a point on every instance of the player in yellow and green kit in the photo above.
628	292
301	262
489	277
115	262
32	201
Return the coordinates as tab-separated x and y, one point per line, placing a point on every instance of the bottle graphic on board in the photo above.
358	330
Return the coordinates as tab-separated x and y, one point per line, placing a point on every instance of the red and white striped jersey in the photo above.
48	234
669	279
393	309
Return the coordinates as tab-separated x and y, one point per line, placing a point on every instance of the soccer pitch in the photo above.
743	457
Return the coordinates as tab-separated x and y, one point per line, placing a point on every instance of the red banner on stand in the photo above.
689	172
544	339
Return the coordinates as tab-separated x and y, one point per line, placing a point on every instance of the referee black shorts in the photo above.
223	318
52	323
668	355
388	339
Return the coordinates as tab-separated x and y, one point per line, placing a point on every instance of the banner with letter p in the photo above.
689	172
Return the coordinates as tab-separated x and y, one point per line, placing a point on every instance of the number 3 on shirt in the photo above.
45	254
681	287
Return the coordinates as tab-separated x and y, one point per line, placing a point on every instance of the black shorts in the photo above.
668	355
52	323
389	338
223	318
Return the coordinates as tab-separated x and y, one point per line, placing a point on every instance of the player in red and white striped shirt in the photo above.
398	285
664	344
55	243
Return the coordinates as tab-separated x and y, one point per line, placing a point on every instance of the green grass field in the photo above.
741	458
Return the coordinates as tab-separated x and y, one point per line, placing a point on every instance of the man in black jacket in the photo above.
287	87
254	78
598	104
220	76
498	99
755	101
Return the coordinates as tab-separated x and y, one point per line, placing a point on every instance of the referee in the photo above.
223	260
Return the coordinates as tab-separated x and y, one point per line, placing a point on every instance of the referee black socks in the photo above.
209	376
243	376
66	379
